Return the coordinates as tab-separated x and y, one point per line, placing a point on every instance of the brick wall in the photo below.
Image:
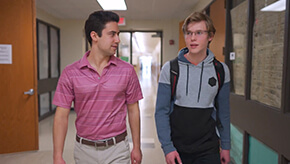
267	61
239	28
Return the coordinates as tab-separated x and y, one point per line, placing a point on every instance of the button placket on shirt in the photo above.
105	70
96	76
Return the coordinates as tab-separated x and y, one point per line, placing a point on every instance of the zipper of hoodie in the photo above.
187	79
200	82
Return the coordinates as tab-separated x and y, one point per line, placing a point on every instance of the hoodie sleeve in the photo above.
224	111
163	110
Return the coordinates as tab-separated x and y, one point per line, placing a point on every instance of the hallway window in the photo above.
54	54
239	26
44	104
237	145
267	61
42	43
48	57
260	153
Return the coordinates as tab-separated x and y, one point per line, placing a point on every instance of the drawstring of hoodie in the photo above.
201	73
200	82
187	79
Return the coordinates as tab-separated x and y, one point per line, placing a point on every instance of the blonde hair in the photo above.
198	17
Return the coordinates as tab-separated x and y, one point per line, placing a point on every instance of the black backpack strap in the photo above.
174	74
220	73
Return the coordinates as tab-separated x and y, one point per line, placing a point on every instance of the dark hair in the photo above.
198	17
97	21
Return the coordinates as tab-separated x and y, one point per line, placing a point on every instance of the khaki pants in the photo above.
115	154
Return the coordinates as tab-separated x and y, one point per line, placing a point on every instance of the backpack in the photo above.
220	73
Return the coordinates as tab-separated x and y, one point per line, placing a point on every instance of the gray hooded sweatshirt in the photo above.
189	127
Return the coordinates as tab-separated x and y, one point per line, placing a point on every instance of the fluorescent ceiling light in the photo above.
276	6
113	4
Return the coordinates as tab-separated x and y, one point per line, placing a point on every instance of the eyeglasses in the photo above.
196	33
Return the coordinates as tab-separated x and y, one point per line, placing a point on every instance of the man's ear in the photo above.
94	36
210	37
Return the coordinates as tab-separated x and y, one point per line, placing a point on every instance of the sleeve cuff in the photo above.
226	145
168	148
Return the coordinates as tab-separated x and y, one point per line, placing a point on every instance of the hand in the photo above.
170	158
136	156
58	161
225	156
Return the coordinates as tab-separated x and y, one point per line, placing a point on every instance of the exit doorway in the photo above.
142	49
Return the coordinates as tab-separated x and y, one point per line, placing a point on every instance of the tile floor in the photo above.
152	153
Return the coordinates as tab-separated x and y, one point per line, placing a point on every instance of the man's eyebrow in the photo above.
195	30
114	32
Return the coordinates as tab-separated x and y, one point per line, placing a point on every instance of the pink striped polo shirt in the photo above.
99	101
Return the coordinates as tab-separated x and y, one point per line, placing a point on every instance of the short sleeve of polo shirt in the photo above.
133	92
64	93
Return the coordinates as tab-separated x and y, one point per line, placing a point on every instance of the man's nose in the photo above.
117	39
193	36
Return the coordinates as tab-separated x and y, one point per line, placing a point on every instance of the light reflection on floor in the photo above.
152	153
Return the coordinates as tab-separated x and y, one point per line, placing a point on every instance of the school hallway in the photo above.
152	153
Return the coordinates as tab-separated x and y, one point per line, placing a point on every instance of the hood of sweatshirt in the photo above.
197	84
208	59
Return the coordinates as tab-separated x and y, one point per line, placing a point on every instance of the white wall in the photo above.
202	5
72	37
44	16
72	41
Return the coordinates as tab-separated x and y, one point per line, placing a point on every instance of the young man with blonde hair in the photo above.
193	122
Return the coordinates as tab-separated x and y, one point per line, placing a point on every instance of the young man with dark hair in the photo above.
103	89
193	116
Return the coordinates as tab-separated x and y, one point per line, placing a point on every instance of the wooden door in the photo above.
18	112
218	16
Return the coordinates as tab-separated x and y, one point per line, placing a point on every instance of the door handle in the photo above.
30	92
